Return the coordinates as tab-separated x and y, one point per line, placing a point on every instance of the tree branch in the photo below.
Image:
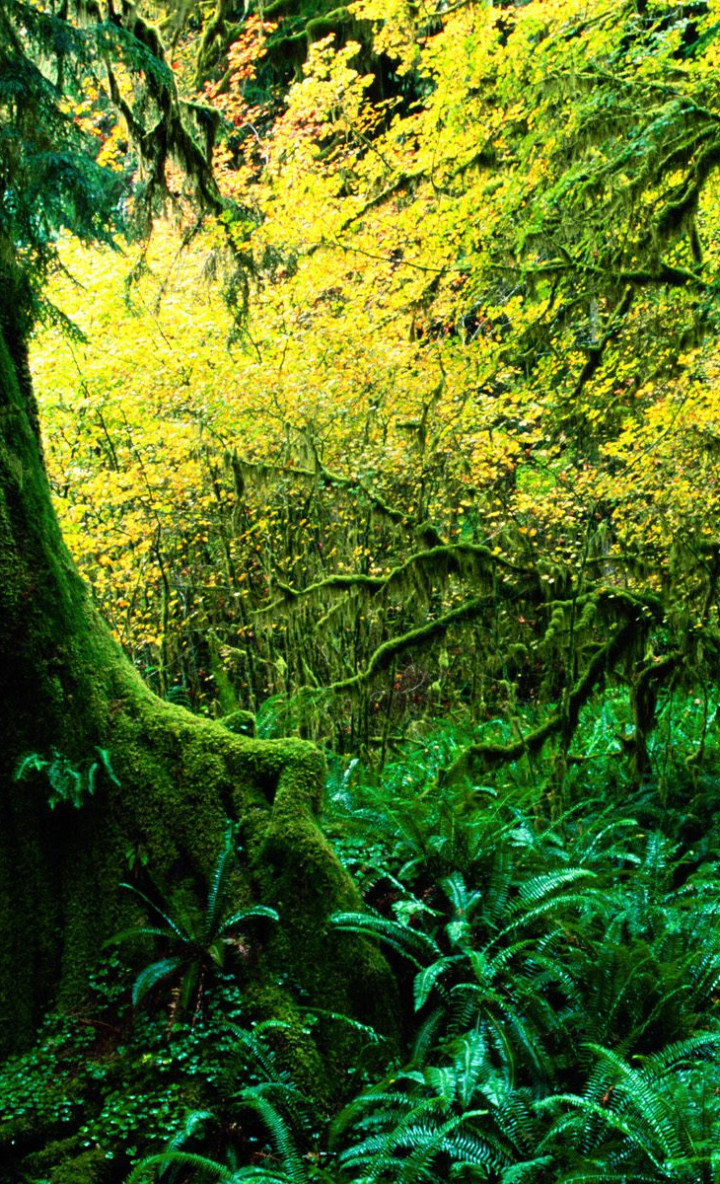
489	756
451	556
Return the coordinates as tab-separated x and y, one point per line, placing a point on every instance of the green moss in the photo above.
243	723
181	777
90	1167
51	1155
300	875
295	1050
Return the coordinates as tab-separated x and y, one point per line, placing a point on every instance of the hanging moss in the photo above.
487	756
385	654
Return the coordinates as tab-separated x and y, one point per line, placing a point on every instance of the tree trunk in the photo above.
66	689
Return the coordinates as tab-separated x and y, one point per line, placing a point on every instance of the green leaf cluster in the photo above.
70	783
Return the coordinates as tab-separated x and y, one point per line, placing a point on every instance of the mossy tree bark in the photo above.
65	685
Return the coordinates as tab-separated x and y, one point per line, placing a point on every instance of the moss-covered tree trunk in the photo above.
66	687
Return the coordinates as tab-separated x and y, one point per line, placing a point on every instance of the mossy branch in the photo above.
647	683
676	211
376	499
385	654
664	273
488	756
447	557
218	35
645	603
315	28
595	353
169	138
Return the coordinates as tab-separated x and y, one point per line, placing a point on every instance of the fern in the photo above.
404	1138
198	938
411	943
527	1171
253	1046
207	1168
70	784
538	889
646	1108
279	1130
428	979
153	974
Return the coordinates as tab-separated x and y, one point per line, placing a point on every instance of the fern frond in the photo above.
139	931
243	915
540	887
278	1130
385	1103
621	826
463	899
414	945
194	1123
610	1118
171	923
261	1175
153	974
252	1043
374	1155
428	978
107	765
592	898
526	1172
465	1147
208	1168
516	1117
426	1035
442	1080
681	1053
598	1174
285	1098
337	1017
498	888
217	889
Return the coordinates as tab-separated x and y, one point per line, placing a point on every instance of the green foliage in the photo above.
660	1116
558	941
162	1072
197	938
559	987
68	74
287	1117
69	783
34	1087
104	1076
51	178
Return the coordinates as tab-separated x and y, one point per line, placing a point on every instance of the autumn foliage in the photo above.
460	453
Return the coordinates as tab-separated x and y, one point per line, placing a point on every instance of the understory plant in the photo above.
558	974
195	938
559	977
